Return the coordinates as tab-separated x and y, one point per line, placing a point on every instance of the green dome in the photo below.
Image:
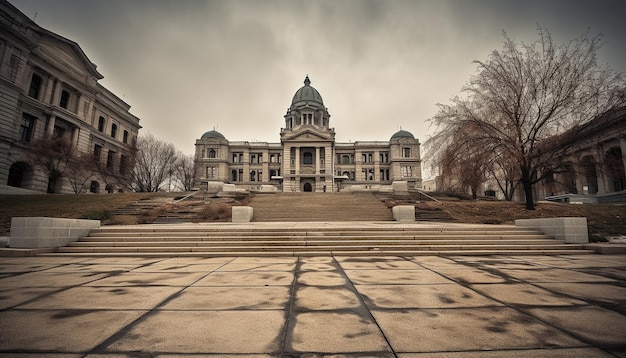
213	134
402	134
307	94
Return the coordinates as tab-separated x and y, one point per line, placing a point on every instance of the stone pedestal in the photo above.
242	214
404	213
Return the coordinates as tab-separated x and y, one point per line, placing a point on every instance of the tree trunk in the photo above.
528	194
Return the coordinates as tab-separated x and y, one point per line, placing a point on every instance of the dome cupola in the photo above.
307	94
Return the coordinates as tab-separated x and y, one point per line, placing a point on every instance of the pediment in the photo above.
67	55
307	135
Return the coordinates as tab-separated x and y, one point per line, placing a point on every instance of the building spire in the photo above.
307	81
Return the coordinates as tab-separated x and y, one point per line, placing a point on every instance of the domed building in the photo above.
308	159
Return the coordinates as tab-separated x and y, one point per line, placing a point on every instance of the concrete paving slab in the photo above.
592	324
335	332
375	263
594	292
523	353
525	294
468	330
469	275
14	296
179	279
178	267
60	330
317	266
246	278
325	298
231	298
204	332
552	275
49	279
322	278
422	296
266	260
407	277
23	268
97	268
195	260
104	298
257	266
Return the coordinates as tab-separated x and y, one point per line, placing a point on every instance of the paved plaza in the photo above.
426	306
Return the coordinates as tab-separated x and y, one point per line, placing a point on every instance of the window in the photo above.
110	158
237	157
123	164
26	128
97	152
113	130
253	175
211	172
307	158
35	86
212	153
406	172
65	99
345	159
125	137
101	122
406	152
384	157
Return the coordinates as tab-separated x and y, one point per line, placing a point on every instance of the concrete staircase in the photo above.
315	238
319	207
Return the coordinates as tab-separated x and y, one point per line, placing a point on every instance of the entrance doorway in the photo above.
308	187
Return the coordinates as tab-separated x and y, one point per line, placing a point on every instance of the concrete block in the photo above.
214	187
400	187
41	232
571	230
268	189
404	213
242	214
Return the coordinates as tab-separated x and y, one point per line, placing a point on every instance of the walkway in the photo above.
470	306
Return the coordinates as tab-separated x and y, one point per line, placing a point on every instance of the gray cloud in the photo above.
187	66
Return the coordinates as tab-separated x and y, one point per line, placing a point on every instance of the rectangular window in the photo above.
26	128
384	157
125	137
406	172
65	99
113	130
97	152
35	86
211	172
110	159
406	152
123	164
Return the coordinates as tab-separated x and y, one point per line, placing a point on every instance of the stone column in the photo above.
50	127
297	160
317	160
75	134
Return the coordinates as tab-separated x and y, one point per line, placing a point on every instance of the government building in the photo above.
49	89
308	159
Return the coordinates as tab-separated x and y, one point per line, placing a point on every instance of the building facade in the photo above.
49	88
308	159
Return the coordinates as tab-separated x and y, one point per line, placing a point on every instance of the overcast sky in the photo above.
188	66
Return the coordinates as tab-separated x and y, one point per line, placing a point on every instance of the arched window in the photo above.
94	187
212	153
125	137
35	86
101	122
113	130
233	175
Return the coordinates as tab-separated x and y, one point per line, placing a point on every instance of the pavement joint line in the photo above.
102	347
289	312
367	309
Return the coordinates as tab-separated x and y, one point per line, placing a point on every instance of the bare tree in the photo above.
183	171
526	95
153	161
80	169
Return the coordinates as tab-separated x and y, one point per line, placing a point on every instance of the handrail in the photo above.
429	197
185	197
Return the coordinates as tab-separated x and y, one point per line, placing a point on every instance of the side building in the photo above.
308	159
49	89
